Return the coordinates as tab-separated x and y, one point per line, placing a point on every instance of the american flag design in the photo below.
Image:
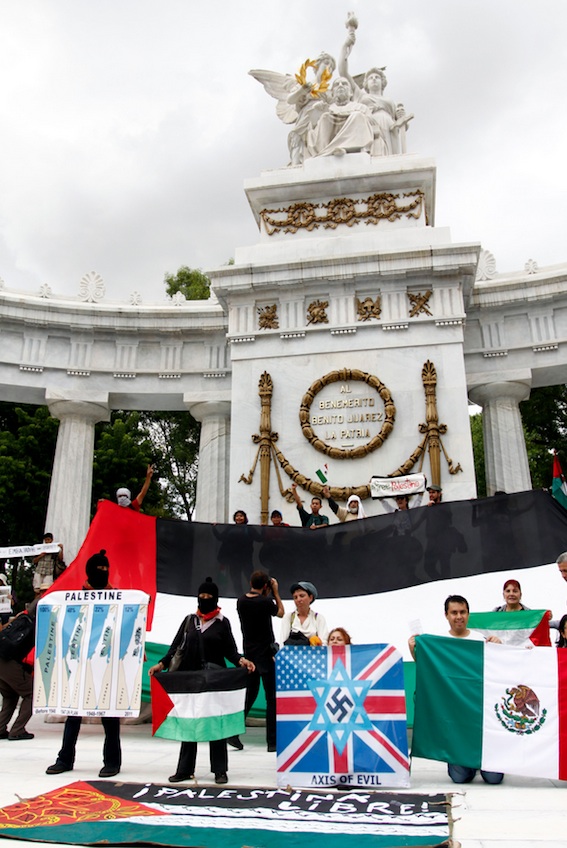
341	717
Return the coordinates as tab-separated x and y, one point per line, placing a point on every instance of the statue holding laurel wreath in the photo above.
300	102
318	116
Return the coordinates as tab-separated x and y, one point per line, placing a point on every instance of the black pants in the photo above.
111	752
253	687
217	753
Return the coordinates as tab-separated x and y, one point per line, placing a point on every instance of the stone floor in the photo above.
520	813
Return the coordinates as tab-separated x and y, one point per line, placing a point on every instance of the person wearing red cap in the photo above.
512	594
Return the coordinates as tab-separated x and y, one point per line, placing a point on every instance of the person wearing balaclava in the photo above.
124	495
204	637
97	571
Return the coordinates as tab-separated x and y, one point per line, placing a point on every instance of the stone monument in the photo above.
346	318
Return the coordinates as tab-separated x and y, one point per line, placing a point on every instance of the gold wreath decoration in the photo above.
344	375
317	88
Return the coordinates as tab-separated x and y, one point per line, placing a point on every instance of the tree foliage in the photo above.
27	446
191	282
544	416
122	453
478	452
124	448
175	439
28	436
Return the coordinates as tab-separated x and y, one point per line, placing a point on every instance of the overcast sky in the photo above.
129	126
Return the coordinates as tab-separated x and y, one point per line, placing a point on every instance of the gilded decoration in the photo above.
384	206
267	451
345	375
419	303
316	88
367	309
268	317
316	312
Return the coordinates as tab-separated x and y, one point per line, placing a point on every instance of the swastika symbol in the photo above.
339	705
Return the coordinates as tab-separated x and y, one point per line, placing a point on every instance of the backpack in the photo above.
17	638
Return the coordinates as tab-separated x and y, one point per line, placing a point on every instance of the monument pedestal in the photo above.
349	277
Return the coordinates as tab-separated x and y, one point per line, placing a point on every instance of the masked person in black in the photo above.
205	637
97	571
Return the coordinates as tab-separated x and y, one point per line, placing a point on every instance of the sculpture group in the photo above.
348	115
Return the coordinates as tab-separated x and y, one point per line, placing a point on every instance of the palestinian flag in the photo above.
398	566
492	707
103	812
199	706
559	484
514	628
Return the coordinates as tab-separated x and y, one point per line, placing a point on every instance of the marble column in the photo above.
68	510
214	459
505	455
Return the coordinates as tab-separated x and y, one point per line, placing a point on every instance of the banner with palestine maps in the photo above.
97	812
89	652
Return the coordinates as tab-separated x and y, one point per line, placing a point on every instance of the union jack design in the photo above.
341	716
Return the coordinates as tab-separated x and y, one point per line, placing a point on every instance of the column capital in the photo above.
208	408
90	406
510	390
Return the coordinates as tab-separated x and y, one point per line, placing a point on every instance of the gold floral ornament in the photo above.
318	87
317	312
268	317
341	211
368	308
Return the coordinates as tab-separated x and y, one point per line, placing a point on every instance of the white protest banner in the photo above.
390	487
28	550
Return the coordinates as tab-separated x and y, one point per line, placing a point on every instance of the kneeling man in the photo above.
457	614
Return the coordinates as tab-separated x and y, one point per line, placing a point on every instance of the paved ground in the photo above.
520	813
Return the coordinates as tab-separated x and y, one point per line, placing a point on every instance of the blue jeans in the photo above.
464	774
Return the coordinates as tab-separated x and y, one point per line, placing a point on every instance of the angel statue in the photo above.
300	102
390	120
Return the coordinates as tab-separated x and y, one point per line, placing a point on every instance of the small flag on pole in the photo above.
322	475
559	485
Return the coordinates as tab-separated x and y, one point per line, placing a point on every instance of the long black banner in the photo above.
369	556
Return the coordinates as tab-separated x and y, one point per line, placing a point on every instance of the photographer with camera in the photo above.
256	609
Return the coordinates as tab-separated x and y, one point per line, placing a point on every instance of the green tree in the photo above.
175	440
28	436
122	453
191	282
544	416
478	452
27	447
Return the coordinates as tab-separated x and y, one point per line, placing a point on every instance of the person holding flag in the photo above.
457	614
203	641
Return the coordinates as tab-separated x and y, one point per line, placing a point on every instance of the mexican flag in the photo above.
490	706
559	485
198	706
514	628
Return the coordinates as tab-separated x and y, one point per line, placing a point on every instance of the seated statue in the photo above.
299	102
346	126
337	121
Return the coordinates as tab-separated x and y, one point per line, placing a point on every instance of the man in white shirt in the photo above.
457	614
